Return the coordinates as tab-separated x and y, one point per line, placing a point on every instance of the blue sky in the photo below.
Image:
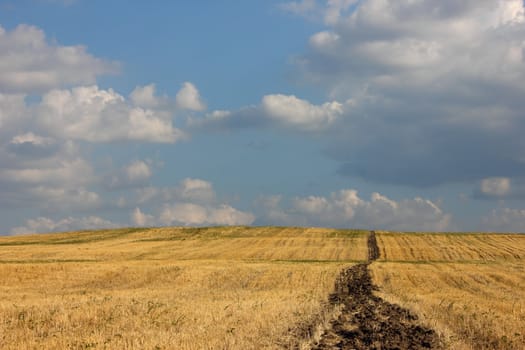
394	115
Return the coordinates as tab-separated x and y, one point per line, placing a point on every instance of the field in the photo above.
170	288
468	287
251	287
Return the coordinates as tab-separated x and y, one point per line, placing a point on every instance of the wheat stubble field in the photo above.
169	288
249	287
470	288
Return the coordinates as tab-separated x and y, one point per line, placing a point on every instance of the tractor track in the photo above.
367	321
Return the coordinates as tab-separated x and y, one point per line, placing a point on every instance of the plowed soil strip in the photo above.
367	321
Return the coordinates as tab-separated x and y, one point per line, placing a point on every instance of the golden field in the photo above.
468	287
170	288
248	287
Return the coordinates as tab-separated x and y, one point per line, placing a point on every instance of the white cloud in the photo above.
54	171
133	175
505	220
324	39
30	138
495	186
62	199
140	219
292	111
45	173
346	209
30	63
189	98
192	202
184	213
425	79
190	214
335	9
500	188
91	114
277	110
43	224
419	43
270	206
31	145
188	190
144	96
138	171
195	190
12	110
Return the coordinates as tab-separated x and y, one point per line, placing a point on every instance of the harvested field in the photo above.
261	288
220	288
443	247
218	243
469	288
474	306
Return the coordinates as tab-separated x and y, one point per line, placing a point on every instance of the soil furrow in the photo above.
367	321
373	249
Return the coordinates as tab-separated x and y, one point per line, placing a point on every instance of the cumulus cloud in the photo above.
140	219
138	171
134	174
60	199
222	120
278	110
500	188
190	214
36	172
30	63
292	111
192	202
88	113
145	96
496	186
188	189
57	171
91	114
51	109
505	220
189	98
346	209
30	138
436	87
44	224
42	172
31	145
12	109
195	190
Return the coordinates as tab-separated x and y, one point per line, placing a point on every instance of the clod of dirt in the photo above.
367	321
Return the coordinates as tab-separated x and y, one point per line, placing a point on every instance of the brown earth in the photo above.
373	249
367	321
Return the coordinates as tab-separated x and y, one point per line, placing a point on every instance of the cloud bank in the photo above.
419	93
30	63
346	209
192	203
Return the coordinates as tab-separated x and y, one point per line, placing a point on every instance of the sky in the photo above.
398	115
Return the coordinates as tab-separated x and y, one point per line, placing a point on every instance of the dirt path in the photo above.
373	249
367	321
